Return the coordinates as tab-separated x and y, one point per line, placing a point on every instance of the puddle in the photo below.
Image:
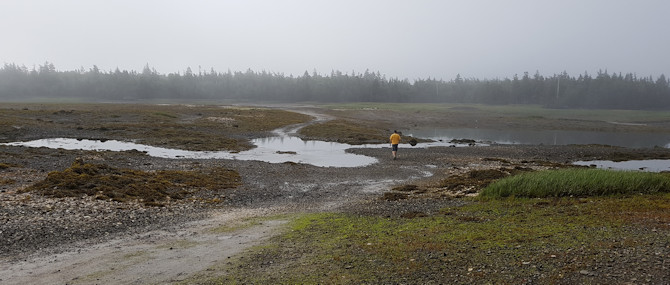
273	150
651	165
318	153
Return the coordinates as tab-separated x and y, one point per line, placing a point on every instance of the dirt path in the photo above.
155	257
166	256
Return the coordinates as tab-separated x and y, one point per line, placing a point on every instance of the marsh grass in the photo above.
509	241
350	132
578	182
527	111
345	132
189	127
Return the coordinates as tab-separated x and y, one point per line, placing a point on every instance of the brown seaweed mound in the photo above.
122	185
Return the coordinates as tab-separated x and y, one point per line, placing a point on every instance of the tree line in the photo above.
600	91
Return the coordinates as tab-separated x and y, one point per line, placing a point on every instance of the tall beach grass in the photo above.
578	182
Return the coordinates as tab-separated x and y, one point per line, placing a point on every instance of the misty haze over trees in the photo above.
602	91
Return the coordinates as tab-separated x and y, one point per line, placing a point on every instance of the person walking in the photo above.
395	140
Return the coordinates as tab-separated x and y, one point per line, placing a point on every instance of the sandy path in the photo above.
155	257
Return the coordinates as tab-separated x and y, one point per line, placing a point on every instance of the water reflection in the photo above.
551	137
273	150
319	153
651	165
286	148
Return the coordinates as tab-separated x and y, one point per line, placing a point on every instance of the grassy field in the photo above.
557	239
532	111
500	241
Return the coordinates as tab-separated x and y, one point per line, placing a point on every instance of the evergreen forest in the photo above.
603	90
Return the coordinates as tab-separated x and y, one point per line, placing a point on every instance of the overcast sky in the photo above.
404	39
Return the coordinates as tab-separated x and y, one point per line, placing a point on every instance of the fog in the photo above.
400	39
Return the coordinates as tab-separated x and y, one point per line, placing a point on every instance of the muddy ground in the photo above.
45	240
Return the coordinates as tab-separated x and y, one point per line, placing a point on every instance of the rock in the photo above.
586	272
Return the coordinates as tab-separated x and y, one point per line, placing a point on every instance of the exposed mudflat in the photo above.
87	241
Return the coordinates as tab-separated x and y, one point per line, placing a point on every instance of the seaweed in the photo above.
124	185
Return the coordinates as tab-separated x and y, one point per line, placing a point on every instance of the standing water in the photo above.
286	148
273	150
651	165
546	137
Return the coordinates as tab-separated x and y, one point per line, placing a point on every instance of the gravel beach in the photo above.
33	224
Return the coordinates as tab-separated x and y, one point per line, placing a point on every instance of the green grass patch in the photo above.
578	182
508	241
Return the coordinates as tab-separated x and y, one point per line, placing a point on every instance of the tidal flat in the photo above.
416	219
